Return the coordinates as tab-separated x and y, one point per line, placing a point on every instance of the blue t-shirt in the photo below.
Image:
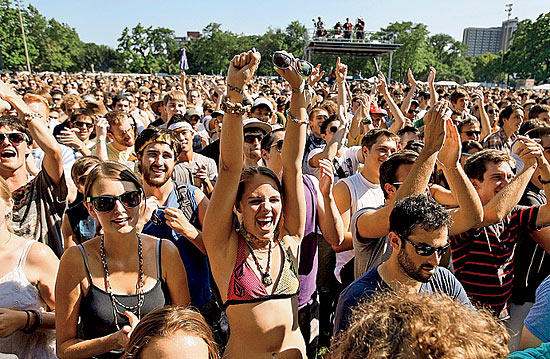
538	319
364	287
195	262
542	352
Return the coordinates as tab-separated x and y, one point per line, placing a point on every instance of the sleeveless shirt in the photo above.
17	293
96	308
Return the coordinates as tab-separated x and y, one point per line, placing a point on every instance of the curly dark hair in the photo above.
417	211
400	324
16	124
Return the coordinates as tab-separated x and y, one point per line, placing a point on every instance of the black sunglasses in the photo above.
253	138
333	129
279	145
426	250
82	124
14	137
129	199
284	61
490	112
471	133
413	111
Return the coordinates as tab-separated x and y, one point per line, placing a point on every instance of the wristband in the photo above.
300	122
299	89
367	121
28	320
99	140
235	89
36	324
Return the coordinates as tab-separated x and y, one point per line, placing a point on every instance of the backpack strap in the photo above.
187	204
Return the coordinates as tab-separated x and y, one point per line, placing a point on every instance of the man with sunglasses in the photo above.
469	129
419	238
254	131
39	202
77	136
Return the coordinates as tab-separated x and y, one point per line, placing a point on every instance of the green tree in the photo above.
148	49
415	52
529	54
13	52
487	67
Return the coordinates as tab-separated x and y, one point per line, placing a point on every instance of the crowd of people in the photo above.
345	32
247	217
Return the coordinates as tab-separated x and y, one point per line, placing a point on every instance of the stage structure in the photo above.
365	45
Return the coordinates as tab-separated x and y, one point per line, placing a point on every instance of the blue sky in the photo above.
102	21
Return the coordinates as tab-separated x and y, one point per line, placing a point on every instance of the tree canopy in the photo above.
55	46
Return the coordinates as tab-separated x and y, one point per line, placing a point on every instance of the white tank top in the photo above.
363	193
17	293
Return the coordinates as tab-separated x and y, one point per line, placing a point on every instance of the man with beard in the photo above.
419	237
174	211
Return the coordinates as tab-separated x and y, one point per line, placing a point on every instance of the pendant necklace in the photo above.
266	276
139	284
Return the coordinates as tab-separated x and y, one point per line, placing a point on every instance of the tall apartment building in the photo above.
493	39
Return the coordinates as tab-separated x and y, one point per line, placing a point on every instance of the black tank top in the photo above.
96	309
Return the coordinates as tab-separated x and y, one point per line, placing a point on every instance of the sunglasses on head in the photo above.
253	138
279	145
471	133
283	61
82	124
426	250
14	137
129	199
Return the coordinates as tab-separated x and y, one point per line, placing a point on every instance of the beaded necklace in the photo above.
139	285
266	276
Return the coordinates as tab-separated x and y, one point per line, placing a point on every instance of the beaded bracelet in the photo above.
29	117
233	108
300	122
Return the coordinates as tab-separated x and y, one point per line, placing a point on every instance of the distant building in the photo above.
493	39
191	35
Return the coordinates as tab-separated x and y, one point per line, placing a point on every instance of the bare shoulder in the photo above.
40	254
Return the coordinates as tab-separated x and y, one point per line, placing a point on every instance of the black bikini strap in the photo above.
159	259
85	257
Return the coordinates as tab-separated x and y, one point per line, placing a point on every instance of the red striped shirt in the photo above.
483	258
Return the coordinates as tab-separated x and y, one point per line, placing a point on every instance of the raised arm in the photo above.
332	147
375	224
483	116
470	209
407	100
292	153
357	126
505	200
218	218
341	73
398	117
434	97
330	219
53	158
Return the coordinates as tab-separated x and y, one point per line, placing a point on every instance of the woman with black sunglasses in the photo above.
255	266
108	283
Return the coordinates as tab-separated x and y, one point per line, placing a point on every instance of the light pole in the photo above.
24	37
